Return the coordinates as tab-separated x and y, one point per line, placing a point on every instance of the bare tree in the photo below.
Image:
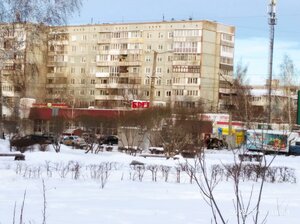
183	131
288	77
243	108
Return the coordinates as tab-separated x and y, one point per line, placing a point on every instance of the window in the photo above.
170	35
59	69
52	48
135	70
92	92
93	81
72	81
103	92
82	92
158	70
72	70
186	47
227	37
187	33
147	70
157	93
192	80
146	93
186	69
103	81
176	80
158	81
169	81
179	92
192	92
147	81
82	81
94	48
73	48
227	49
226	60
168	93
83	59
148	58
82	70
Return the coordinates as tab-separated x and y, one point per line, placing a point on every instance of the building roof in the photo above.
265	92
44	113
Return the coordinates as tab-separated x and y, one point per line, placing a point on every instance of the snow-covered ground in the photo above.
78	198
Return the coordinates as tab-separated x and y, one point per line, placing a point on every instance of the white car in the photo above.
74	140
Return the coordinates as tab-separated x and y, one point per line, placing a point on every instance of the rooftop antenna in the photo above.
272	22
163	17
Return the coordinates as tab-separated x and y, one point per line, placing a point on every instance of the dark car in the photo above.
21	143
215	143
109	140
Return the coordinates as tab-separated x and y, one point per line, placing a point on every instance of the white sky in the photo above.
249	17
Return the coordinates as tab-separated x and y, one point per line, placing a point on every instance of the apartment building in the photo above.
183	63
283	100
23	51
177	63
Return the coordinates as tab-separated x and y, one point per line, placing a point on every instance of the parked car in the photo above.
109	140
74	140
21	143
156	150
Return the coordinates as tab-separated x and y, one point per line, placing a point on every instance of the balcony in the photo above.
101	86
51	63
52	53
56	86
186	63
119	63
104	40
57	75
58	42
102	74
109	97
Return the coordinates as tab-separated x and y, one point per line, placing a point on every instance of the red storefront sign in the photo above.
137	104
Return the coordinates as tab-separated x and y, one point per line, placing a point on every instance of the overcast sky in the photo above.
249	17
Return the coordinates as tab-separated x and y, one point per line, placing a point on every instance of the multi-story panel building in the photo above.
109	65
178	63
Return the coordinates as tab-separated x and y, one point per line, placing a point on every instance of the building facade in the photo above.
183	63
176	63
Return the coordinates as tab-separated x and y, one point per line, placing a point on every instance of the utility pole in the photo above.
272	22
229	107
152	79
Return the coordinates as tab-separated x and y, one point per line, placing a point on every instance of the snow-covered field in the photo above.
77	197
